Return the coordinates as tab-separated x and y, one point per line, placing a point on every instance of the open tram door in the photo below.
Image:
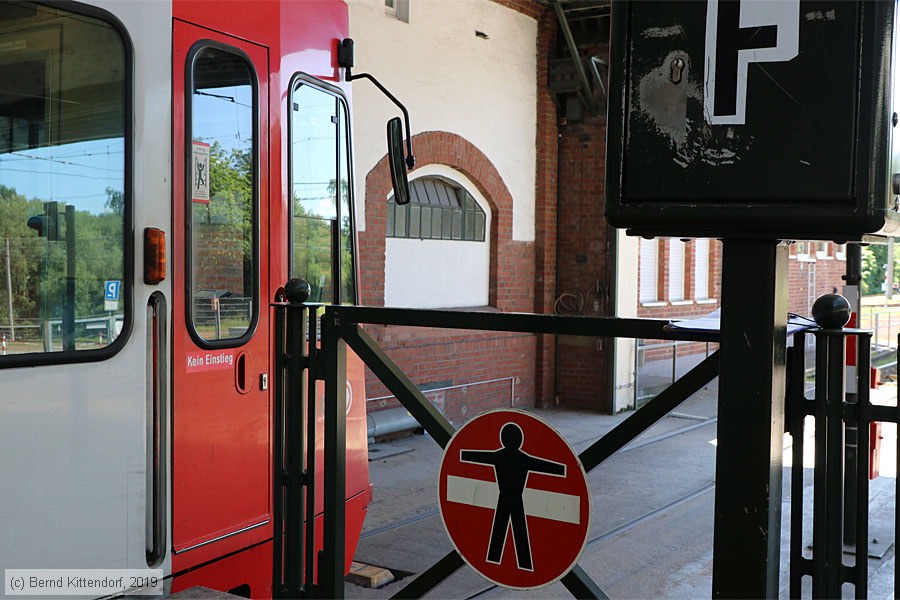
221	404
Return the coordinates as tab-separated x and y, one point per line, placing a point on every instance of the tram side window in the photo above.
322	226
222	195
62	181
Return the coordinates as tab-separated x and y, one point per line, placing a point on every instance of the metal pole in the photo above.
9	294
310	458
797	403
294	445
747	537
333	354
876	313
674	360
585	91
897	480
852	279
820	472
69	311
834	456
278	466
862	470
637	370
889	275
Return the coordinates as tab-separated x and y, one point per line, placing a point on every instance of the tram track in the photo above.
434	511
614	532
609	534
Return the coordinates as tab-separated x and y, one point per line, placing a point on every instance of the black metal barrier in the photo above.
835	488
299	366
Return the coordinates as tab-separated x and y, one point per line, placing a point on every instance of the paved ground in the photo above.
667	473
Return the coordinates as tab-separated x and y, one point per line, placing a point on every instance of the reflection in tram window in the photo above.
222	195
322	227
62	181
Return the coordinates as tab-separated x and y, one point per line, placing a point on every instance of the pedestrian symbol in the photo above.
514	499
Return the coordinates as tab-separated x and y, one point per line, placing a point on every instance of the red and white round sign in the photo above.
514	499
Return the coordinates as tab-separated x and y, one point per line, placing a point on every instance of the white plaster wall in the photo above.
451	80
439	273
626	279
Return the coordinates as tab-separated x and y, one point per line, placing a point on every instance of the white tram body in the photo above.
136	417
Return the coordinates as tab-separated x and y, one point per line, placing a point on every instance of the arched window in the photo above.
438	210
437	251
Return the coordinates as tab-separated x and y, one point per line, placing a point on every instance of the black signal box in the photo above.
752	118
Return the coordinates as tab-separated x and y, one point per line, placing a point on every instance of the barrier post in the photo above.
333	356
747	538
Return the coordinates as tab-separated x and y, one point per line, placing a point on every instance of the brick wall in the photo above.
449	358
545	209
520	367
811	277
691	307
220	248
584	268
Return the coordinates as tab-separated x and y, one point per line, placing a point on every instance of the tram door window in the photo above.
322	226
63	115
223	180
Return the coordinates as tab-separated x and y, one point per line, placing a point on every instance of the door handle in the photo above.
241	381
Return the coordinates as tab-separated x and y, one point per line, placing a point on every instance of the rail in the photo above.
653	373
884	322
300	365
840	493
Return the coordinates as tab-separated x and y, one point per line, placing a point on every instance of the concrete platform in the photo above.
652	517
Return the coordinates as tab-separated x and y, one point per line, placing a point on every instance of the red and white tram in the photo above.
135	401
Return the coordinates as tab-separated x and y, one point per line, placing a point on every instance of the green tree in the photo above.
229	215
874	262
24	256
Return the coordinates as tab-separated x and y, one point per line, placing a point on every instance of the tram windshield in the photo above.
62	180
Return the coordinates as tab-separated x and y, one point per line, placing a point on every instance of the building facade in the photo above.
509	135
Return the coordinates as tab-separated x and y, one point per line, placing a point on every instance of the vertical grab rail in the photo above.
279	476
309	461
157	455
291	473
861	566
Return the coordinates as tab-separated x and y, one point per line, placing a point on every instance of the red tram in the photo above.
136	408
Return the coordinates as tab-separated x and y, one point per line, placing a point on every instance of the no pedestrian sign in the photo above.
514	499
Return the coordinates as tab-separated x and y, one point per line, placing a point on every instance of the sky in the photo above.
76	173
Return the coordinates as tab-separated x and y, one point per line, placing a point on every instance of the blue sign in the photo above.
111	290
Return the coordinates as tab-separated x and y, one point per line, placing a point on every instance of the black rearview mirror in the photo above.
398	164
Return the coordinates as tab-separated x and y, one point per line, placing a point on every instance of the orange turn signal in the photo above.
154	255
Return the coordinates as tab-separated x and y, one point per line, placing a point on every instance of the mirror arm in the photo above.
410	159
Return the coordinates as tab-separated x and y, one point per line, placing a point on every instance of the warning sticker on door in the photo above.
200	172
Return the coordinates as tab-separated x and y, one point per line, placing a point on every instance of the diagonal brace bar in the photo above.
431	578
580	585
665	402
437	426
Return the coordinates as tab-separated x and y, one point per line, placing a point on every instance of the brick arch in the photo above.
454	151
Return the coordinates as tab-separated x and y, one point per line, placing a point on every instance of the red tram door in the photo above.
221	401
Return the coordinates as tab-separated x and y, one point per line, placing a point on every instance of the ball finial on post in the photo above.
831	311
297	290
